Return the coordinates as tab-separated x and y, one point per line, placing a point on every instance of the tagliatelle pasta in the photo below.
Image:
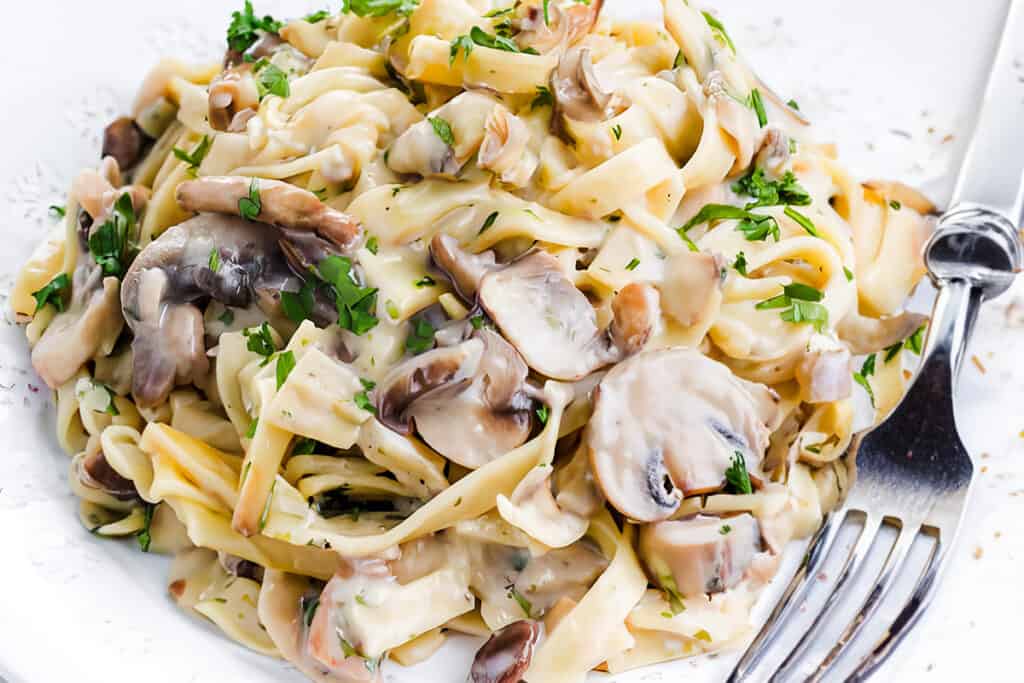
509	319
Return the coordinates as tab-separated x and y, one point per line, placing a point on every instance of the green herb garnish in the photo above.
544	98
58	211
285	365
195	158
421	338
718	29
145	535
737	477
425	281
477	36
787	191
488	222
355	304
379	8
245	27
632	265
213	262
520	599
543	413
54	292
803	221
260	341
800	305
270	80
757	104
316	17
109	243
373	245
251	206
298	306
443	129
740	264
617	131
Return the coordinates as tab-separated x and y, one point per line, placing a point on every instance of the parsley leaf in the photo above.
464	43
672	594
757	104
766	192
425	281
421	338
379	8
145	535
617	131
109	244
718	29
793	104
250	207
800	305
895	205
443	129
632	265
803	221
304	446
868	368
250	433
848	273
547	18
860	379
285	365
362	399
679	60
298	306
488	222
309	609
214	261
755	227
740	264
520	599
195	158
245	25
737	477
316	17
270	80
58	211
724	529
915	341
543	413
260	342
477	321
373	245
544	98
478	36
355	304
227	317
53	293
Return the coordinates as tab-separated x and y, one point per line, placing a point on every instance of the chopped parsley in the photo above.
251	206
848	273
227	317
421	338
285	365
214	261
861	378
718	29
544	98
703	635
740	264
443	129
915	341
373	245
250	433
488	222
755	227
362	399
109	245
547	19
477	36
266	507
304	446
355	304
260	341
316	17
691	245
672	595
803	221
60	211
392	309
724	529
799	304
425	281
145	534
794	105
632	265
679	60
379	8
737	478
543	413
309	609
895	205
245	27
477	321
195	158
54	293
757	104
617	131
520	599
270	80
787	191
298	306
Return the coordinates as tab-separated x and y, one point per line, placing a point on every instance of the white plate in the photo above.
888	80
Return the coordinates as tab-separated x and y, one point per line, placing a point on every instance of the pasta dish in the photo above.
436	317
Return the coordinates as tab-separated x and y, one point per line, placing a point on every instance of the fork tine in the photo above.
817	551
908	616
850	569
891	569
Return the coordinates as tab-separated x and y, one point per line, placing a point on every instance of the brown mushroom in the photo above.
281	204
469	402
554	326
700	555
465	270
561	28
96	472
124	140
576	91
688	417
824	375
505	151
506	655
234	98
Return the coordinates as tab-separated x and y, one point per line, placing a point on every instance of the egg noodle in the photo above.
462	316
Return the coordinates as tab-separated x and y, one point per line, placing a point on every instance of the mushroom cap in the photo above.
465	270
546	317
506	655
577	93
701	554
668	423
466	401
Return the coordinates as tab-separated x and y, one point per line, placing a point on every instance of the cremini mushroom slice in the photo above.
465	270
172	273
561	29
76	335
700	555
688	417
554	326
507	654
469	402
868	335
234	99
824	373
692	287
281	204
577	94
96	472
505	149
735	118
124	140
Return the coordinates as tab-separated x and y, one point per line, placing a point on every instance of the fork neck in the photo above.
953	318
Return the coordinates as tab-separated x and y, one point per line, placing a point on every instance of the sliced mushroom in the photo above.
688	417
561	29
504	150
552	323
692	287
264	47
868	335
468	401
507	654
124	141
700	555
824	375
76	335
774	152
234	98
96	472
465	270
172	274
576	91
281	204
735	118
425	147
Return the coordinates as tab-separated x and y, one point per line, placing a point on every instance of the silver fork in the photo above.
912	470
